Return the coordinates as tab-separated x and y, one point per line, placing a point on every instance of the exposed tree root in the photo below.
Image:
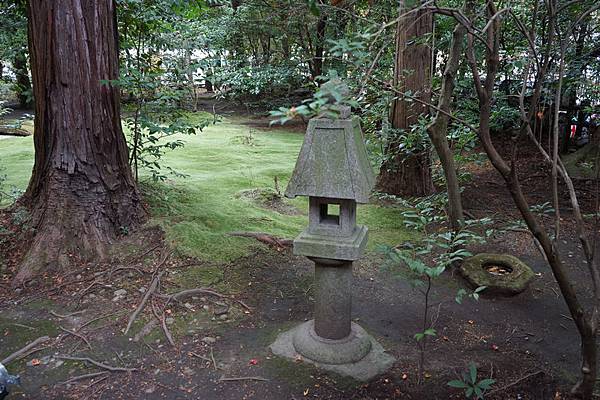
192	292
151	289
265	238
25	350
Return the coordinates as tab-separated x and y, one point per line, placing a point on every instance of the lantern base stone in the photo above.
359	355
332	247
350	349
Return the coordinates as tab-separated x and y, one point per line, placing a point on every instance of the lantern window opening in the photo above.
329	213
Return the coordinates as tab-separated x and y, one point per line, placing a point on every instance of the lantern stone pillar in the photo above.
333	171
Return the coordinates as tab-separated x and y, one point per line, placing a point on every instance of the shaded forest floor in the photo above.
253	291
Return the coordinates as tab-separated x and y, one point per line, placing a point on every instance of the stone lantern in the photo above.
333	171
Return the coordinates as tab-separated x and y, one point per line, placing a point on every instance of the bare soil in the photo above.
528	337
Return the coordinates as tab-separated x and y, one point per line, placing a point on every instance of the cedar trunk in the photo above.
81	191
402	174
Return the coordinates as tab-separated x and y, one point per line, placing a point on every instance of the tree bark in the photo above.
81	192
319	46
589	365
438	130
409	174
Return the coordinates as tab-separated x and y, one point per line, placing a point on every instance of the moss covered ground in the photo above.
221	164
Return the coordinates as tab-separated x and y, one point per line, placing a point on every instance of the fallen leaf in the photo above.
305	392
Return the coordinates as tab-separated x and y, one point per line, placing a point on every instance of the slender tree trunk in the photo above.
81	192
285	48
319	46
589	365
409	174
23	84
586	322
569	96
438	130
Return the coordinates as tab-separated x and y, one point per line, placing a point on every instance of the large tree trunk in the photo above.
81	192
404	174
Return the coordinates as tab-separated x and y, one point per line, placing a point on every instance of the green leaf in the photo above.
458	384
314	9
486	383
459	295
473	373
430	332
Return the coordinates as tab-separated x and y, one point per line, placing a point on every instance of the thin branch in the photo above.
66	315
24	350
503	388
97	363
243	378
388	86
80	336
84	376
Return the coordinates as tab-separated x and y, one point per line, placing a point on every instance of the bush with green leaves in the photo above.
3	110
157	79
423	261
327	102
257	81
474	389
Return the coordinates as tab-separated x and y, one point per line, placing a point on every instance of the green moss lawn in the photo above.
230	171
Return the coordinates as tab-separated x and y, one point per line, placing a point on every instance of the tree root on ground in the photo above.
265	238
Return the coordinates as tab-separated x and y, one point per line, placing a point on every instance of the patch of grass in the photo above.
16	162
200	276
198	212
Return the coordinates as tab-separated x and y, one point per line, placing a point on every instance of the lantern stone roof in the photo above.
333	162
